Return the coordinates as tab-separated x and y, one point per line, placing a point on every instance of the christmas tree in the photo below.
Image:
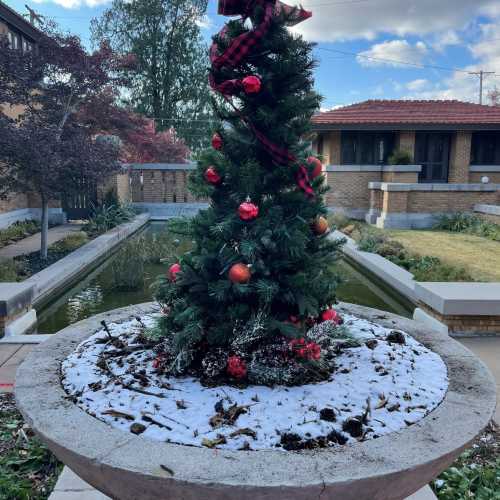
240	305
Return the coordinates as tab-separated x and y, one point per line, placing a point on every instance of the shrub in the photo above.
70	243
463	222
18	231
128	266
339	220
105	217
400	157
8	270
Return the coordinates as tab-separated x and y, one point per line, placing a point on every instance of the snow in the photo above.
400	383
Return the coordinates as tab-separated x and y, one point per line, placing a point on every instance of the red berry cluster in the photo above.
305	350
332	315
236	367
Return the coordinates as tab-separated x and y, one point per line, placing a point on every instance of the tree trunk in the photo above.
45	228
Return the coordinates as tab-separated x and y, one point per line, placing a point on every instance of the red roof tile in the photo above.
395	112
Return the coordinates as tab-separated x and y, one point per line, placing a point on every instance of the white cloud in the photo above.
445	39
417	85
205	22
392	51
369	18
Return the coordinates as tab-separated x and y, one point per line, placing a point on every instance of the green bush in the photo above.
424	268
463	222
105	217
128	266
18	231
70	242
8	270
400	157
469	481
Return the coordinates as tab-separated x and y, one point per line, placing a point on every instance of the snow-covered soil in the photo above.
378	388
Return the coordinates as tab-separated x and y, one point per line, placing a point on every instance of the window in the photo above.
14	40
366	148
485	148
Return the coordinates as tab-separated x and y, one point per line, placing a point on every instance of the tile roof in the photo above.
410	112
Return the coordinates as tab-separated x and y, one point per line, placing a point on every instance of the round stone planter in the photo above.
129	467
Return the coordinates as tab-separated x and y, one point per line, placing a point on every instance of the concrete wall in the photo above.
398	205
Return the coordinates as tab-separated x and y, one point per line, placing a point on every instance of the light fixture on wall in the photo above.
485	179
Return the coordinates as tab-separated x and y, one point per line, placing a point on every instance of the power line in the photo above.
481	75
394	61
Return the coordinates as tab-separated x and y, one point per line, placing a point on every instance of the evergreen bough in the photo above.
292	274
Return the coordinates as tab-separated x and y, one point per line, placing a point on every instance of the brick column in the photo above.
460	158
406	142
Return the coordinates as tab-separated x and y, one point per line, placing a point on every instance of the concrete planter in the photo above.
128	467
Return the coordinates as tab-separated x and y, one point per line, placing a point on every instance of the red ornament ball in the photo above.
332	315
173	270
248	211
251	84
236	367
217	141
212	176
316	163
305	350
239	273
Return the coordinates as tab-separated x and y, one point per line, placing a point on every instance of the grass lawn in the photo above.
479	256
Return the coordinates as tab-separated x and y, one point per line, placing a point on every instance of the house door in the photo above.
432	151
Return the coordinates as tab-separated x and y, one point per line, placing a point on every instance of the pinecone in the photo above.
214	363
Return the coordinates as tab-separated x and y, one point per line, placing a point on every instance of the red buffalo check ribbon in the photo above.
239	49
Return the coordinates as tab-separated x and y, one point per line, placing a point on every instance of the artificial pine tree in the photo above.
260	273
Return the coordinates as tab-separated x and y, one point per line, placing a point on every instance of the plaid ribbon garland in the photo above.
238	49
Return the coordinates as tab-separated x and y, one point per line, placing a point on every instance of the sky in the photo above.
367	49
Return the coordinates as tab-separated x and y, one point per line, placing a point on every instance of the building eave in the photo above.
11	17
325	127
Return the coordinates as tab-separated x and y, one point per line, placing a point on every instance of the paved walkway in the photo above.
11	356
70	487
32	243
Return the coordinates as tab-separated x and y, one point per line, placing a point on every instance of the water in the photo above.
98	292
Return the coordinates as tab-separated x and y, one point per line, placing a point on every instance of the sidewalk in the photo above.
71	487
32	243
11	356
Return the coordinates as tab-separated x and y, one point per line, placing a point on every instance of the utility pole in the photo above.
481	75
33	15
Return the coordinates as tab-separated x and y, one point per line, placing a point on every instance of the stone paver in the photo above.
32	243
488	350
11	356
71	487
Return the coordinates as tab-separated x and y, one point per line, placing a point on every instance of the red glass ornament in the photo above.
239	273
331	315
212	176
248	211
318	167
236	367
173	270
217	141
251	84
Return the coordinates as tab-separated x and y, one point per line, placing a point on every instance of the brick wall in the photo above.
14	202
460	157
448	201
350	189
161	186
493	176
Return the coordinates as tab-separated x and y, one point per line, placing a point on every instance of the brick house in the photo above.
454	148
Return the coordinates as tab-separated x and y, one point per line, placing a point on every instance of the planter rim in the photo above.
408	458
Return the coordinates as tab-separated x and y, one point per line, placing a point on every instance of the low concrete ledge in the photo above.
487	209
128	467
373	168
161	166
463	299
65	271
402	186
484	168
165	211
16	315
